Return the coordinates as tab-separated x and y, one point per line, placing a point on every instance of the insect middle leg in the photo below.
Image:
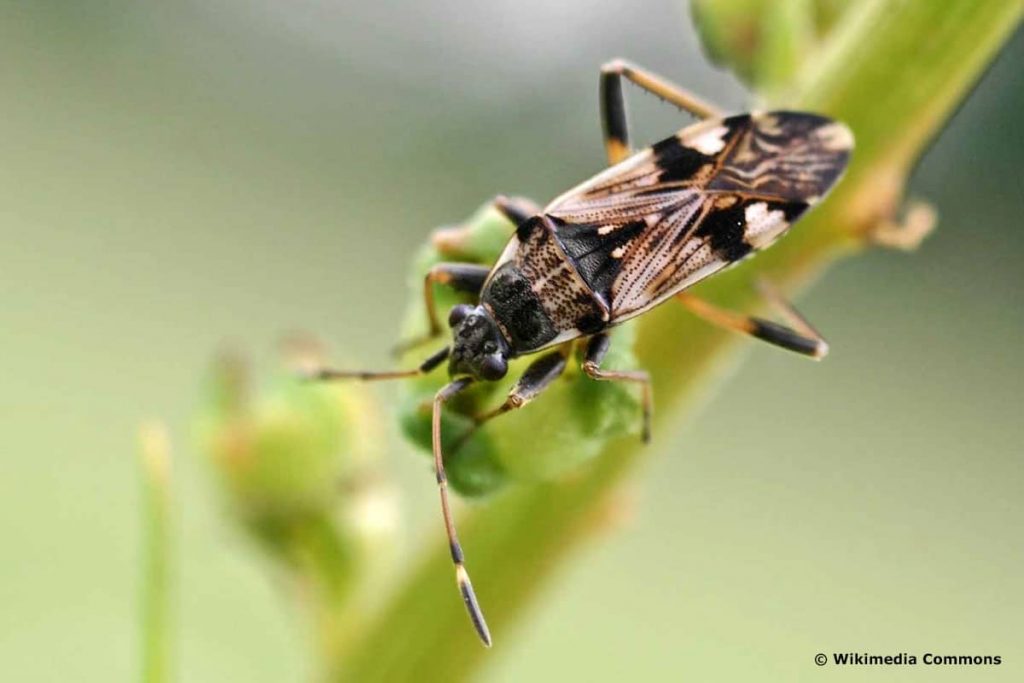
613	103
801	338
597	348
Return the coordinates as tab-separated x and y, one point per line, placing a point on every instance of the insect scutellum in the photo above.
641	232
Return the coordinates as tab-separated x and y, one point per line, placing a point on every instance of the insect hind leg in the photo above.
614	118
801	338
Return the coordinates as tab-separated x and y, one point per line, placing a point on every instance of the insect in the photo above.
643	231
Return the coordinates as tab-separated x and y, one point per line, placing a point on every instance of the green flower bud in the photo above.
290	446
298	462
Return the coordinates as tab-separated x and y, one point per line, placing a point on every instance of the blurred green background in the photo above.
174	178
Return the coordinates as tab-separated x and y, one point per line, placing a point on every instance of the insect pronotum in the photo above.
644	230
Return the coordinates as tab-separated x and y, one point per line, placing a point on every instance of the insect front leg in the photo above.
614	119
801	338
537	377
597	348
462	277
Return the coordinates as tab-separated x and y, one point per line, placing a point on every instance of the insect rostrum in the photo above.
645	230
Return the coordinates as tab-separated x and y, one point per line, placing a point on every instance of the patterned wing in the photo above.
695	203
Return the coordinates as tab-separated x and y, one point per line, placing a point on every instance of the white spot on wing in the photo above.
618	252
835	137
763	226
768	124
709	142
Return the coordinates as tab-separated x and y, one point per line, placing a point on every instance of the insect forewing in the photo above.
695	203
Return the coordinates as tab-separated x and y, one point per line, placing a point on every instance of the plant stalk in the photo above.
894	70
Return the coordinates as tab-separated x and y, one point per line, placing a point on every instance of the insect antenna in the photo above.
370	375
476	615
461	575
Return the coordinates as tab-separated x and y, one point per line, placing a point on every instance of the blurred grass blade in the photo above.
155	456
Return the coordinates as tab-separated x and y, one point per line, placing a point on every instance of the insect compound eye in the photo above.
458	314
493	368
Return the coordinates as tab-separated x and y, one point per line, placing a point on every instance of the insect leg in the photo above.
462	277
613	103
801	337
451	241
516	209
461	576
597	348
537	377
423	368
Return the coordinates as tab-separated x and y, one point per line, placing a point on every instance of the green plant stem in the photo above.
894	71
155	457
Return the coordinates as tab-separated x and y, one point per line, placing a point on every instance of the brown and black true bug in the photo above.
644	230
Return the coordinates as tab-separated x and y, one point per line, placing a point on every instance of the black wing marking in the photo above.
695	203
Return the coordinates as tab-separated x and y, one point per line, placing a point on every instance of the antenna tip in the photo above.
476	615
